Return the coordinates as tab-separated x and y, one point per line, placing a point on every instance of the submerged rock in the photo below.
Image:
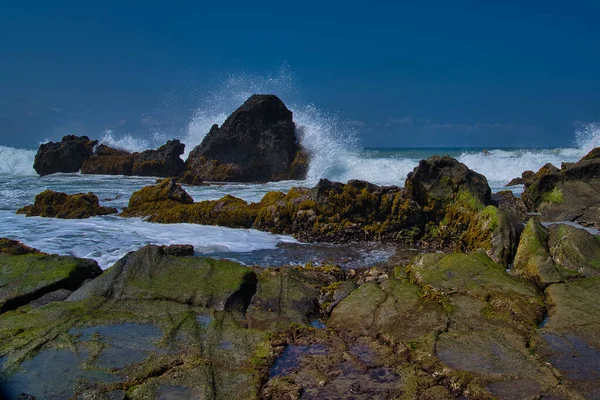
51	204
65	156
257	143
27	276
164	161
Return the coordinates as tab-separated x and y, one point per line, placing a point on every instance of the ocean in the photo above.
336	154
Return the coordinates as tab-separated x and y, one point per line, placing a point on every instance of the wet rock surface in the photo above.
162	323
51	204
65	156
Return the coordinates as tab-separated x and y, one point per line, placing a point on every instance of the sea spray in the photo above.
16	161
125	142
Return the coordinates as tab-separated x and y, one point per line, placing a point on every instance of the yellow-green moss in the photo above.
555	196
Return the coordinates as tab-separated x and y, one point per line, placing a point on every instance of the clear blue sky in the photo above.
427	73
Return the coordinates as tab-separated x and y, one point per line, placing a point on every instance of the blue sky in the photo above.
428	73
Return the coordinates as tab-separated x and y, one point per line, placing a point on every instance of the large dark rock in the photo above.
256	143
164	161
53	204
568	194
66	156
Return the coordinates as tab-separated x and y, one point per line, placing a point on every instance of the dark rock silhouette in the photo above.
65	156
257	143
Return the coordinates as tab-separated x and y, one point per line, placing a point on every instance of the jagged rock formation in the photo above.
257	143
66	156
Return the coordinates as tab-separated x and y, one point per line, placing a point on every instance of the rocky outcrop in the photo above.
27	274
164	161
167	202
257	143
569	194
65	156
51	204
444	205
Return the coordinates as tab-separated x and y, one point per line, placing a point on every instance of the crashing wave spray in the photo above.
127	142
333	145
16	161
587	138
226	97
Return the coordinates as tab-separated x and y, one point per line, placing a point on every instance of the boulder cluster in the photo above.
444	205
257	143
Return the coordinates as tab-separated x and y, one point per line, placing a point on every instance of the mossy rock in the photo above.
502	299
168	203
152	345
152	199
495	232
533	260
51	204
15	248
152	274
569	340
573	308
26	277
395	309
575	249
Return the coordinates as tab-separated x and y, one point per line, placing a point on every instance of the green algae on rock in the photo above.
167	202
533	261
152	274
51	204
395	309
25	277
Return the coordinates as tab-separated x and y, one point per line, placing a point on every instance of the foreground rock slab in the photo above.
162	323
27	275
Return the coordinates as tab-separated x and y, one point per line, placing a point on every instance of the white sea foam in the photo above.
107	239
126	142
16	161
